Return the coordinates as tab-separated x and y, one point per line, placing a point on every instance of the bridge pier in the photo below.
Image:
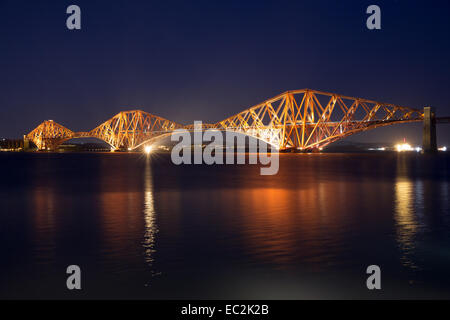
429	144
26	143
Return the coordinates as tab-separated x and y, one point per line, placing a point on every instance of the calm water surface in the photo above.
145	228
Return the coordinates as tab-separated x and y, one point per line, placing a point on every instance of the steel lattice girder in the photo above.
301	119
129	129
307	119
49	134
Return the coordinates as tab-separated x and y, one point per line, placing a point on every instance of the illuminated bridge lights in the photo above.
301	120
148	149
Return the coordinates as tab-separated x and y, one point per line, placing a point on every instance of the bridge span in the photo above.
301	120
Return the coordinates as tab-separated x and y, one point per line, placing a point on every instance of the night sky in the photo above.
207	60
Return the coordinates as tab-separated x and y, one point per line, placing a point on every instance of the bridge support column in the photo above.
26	143
429	144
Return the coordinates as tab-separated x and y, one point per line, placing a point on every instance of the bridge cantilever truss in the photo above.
127	130
307	119
301	119
49	134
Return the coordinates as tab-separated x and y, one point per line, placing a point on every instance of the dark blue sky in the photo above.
206	60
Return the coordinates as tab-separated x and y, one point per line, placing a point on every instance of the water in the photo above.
145	228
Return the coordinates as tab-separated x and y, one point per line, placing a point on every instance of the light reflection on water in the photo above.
125	218
149	215
44	225
406	192
282	227
406	223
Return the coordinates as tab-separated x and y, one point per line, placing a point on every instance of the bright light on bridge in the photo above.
148	149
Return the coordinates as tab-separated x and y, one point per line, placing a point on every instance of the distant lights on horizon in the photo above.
406	147
403	147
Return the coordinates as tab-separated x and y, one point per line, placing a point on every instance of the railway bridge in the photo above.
300	120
